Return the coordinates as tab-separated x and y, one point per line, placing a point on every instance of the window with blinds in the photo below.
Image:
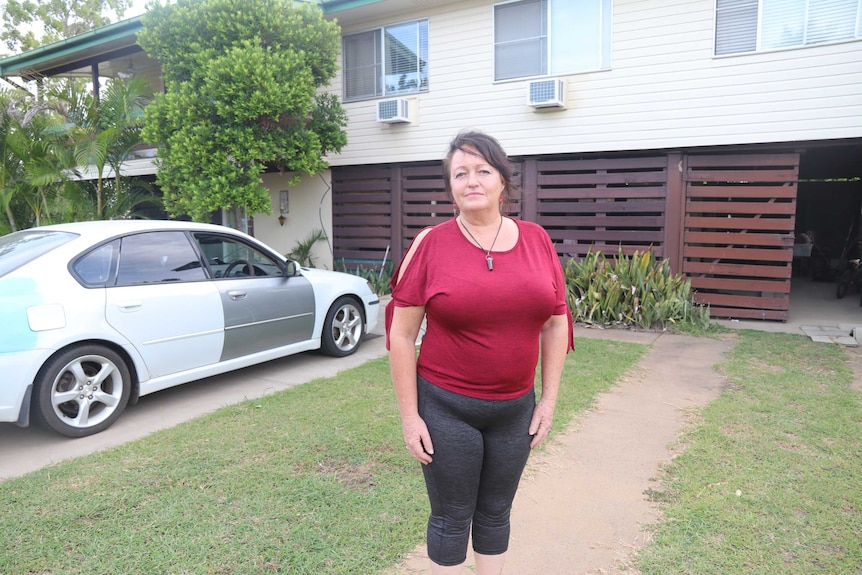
547	37
754	25
388	61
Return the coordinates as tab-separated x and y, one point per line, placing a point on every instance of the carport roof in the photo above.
110	42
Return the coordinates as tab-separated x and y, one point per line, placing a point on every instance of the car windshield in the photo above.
19	248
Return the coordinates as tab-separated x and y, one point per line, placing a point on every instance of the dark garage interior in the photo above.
828	230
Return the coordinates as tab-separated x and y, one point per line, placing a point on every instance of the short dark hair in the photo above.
491	151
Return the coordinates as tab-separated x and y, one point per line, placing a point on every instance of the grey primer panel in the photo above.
263	313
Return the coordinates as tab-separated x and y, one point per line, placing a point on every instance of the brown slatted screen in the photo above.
424	202
738	236
378	210
603	204
361	215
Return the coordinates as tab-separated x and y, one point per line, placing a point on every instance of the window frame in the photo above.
379	65
759	26
602	53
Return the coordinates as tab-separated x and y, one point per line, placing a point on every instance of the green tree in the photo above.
241	79
44	144
32	23
34	163
123	198
103	134
11	172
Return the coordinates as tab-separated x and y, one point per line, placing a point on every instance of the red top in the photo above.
482	334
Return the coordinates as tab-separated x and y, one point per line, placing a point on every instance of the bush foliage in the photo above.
242	80
637	291
377	276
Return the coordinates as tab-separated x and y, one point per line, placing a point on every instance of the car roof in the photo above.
95	231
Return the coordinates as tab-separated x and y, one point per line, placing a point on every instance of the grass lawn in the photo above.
770	481
311	480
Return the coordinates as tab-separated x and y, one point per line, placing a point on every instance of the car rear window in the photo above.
19	248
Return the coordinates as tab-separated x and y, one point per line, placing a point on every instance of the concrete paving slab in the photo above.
840	334
823	330
845	340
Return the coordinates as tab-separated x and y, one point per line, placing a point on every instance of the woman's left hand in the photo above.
540	426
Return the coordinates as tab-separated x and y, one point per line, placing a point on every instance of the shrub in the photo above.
301	252
377	278
637	291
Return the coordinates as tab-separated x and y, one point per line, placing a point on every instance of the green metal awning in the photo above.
107	42
115	42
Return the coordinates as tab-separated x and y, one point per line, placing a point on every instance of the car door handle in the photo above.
237	294
129	306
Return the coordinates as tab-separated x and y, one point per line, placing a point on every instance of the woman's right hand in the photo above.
418	439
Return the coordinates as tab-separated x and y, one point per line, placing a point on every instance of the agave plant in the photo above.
637	290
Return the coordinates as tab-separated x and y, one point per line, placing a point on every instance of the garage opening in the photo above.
828	232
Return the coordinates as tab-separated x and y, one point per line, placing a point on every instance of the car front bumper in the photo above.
372	311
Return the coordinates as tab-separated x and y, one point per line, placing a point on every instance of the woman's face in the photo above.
476	185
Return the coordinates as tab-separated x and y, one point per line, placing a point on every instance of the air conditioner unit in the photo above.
394	111
546	93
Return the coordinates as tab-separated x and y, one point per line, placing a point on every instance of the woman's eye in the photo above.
460	175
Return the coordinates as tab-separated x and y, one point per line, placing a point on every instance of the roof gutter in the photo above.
330	6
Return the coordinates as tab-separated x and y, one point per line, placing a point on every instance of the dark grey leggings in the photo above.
480	450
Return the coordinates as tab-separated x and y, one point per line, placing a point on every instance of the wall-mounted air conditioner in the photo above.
394	111
546	93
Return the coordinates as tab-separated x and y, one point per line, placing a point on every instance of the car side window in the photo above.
228	257
94	268
158	257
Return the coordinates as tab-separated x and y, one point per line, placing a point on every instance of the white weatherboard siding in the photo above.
665	90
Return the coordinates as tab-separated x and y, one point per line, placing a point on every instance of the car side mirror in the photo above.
290	269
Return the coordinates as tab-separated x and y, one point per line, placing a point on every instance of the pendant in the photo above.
490	261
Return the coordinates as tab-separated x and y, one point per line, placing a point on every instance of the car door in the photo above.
263	309
163	302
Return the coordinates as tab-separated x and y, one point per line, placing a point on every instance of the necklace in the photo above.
488	257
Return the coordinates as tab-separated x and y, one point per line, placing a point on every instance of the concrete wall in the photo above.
310	209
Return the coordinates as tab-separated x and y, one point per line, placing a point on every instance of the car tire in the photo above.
82	391
343	329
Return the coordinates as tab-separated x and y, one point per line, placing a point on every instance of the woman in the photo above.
492	290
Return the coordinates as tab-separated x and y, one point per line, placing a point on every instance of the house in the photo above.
715	132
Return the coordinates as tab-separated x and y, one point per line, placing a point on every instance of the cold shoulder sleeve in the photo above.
410	290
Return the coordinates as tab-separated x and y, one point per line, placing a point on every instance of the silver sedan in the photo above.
96	314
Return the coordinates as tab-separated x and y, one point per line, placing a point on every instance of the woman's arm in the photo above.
554	346
406	322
